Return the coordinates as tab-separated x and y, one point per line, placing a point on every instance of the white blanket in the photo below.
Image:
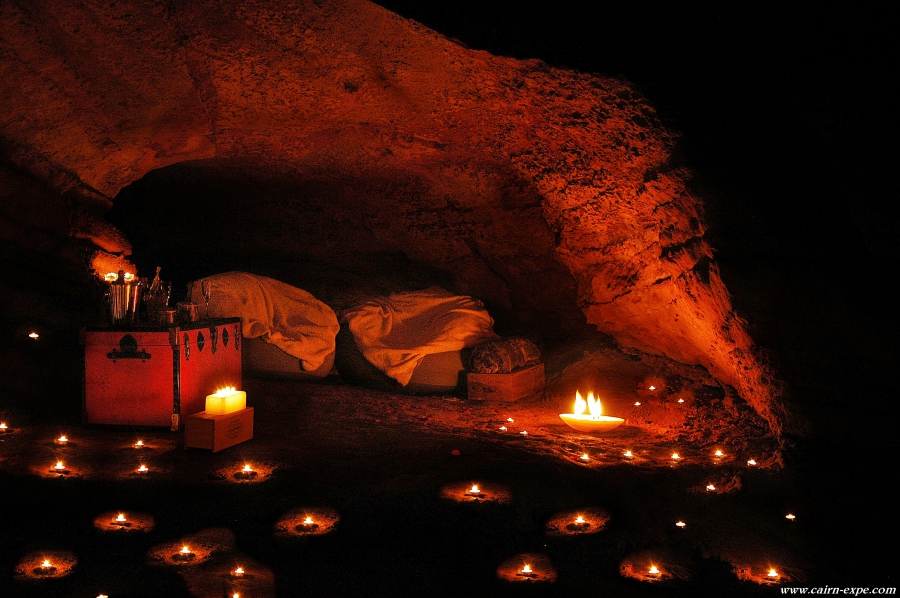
285	316
394	333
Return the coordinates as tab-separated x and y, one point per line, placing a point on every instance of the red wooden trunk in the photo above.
153	376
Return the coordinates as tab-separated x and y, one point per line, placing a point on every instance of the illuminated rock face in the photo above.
546	192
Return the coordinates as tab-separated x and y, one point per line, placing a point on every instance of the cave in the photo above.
699	231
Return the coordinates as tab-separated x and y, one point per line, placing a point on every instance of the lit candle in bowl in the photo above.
676	457
121	520
773	574
62	440
594	421
239	572
47	567
59	468
226	400
139	444
142	469
654	570
474	490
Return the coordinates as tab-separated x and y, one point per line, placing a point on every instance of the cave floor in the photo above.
390	472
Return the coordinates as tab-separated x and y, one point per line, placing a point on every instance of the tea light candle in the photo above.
580	524
637	403
184	554
710	487
653	570
142	469
59	467
3	427
751	462
719	454
474	490
34	336
510	420
121	520
651	387
246	473
675	456
585	457
62	440
47	568
524	432
226	400
503	428
595	421
628	454
239	572
772	574
139	444
681	400
790	516
526	571
681	524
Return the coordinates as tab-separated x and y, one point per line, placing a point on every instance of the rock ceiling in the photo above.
547	192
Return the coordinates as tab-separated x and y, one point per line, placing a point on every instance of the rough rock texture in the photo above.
548	193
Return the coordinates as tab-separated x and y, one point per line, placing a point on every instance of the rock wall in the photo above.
549	193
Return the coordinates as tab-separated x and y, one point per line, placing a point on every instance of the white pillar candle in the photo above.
226	400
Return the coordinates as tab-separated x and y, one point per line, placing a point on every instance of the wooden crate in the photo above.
506	387
216	432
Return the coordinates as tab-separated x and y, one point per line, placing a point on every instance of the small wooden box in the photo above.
216	432
506	387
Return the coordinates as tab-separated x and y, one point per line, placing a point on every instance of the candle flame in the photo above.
637	403
46	564
247	468
585	457
710	487
503	428
34	335
681	524
474	489
772	573
592	405
143	468
751	462
526	569
59	465
719	453
62	439
524	432
3	426
580	404
225	392
652	387
121	518
238	571
681	400
185	550
579	519
790	516
676	456
308	521
628	454
139	444
654	570
510	420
